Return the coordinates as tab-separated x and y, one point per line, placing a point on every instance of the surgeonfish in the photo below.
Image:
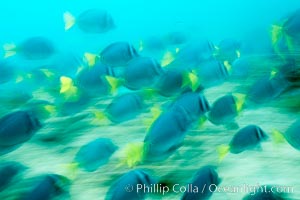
90	21
34	48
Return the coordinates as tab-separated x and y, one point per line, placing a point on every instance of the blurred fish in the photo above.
34	48
170	83
246	138
289	26
267	88
142	72
92	80
126	187
176	38
163	138
206	177
94	154
17	128
212	73
152	44
7	71
48	187
118	54
195	104
240	68
267	192
123	108
90	21
228	50
285	36
225	109
192	55
292	134
8	172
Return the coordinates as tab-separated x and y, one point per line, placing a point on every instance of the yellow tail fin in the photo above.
113	82
191	79
100	118
90	58
276	33
277	136
67	89
239	101
71	170
69	20
134	154
168	57
227	66
9	50
223	151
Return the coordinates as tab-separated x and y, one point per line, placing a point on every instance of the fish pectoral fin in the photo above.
69	20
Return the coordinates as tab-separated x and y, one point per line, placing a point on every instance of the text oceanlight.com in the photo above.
206	188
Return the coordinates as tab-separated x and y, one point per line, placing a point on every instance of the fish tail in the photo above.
69	20
239	101
222	151
113	82
167	58
100	118
276	33
90	58
277	136
67	89
71	170
9	50
134	154
190	79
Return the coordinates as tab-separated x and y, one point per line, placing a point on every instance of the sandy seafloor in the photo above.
274	164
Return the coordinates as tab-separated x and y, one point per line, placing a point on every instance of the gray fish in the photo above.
246	138
225	109
126	187
166	134
7	72
91	21
292	135
170	83
34	48
91	80
195	104
205	181
228	50
124	107
118	54
95	154
48	187
211	73
192	55
17	128
142	72
267	88
8	171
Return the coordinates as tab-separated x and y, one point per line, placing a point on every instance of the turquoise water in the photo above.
248	22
